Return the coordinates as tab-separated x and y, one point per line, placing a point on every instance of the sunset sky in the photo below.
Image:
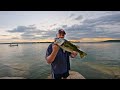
86	26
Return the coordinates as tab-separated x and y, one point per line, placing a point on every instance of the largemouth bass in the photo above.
68	46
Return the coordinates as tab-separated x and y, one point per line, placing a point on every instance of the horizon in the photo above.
74	41
42	26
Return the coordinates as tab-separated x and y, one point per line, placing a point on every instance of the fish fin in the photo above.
77	46
82	54
64	51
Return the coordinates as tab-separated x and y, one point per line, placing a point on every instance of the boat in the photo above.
13	44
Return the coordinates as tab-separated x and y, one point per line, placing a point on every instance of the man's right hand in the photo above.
55	47
52	56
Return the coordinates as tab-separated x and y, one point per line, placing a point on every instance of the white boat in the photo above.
13	44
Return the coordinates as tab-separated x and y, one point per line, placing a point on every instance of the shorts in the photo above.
59	76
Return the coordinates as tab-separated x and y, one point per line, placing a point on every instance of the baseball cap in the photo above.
61	31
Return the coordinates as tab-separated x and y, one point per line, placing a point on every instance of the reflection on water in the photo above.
28	61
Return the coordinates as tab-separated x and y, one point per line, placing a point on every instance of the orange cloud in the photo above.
95	39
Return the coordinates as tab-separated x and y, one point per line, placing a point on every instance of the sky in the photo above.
85	26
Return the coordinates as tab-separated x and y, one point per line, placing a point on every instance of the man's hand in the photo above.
55	47
52	56
74	54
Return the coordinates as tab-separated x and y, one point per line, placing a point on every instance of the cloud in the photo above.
4	35
104	26
64	26
28	32
51	34
108	19
79	17
108	26
19	29
41	37
53	25
71	15
14	38
26	36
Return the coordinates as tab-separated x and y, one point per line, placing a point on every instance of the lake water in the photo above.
28	61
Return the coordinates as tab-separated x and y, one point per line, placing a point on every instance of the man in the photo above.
59	60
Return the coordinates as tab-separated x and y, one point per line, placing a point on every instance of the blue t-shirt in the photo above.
61	64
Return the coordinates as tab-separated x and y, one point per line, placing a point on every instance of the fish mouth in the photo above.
60	41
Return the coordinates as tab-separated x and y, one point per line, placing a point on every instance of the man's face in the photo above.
60	35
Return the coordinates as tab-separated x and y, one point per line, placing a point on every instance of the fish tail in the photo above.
82	54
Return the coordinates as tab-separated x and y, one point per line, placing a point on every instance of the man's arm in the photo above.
52	56
74	54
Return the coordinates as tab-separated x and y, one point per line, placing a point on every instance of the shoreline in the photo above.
51	42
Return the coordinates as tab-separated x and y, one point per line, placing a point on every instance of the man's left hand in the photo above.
74	54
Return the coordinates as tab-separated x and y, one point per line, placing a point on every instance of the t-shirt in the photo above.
61	64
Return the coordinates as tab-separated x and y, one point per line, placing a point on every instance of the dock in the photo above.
73	75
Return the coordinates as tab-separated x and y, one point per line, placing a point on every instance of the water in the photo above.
28	61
